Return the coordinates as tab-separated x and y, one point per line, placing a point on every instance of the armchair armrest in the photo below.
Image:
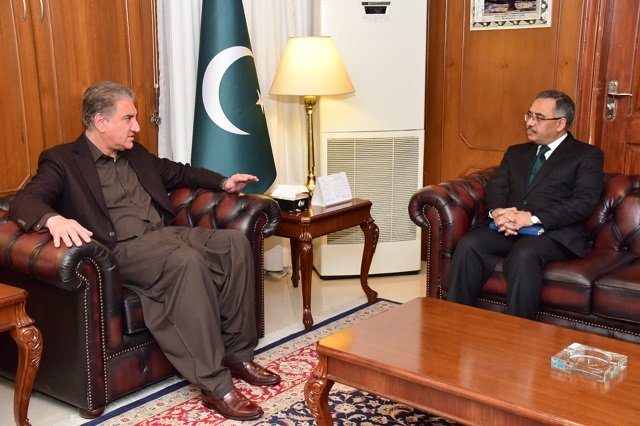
34	255
446	211
217	209
75	297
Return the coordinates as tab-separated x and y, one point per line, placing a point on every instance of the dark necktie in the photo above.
540	159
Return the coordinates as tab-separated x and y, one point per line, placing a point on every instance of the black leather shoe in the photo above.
233	405
253	373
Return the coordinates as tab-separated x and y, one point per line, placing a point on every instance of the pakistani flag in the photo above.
230	131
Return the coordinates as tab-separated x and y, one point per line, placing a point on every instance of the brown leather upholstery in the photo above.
599	293
97	347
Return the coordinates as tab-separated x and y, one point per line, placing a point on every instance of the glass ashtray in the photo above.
594	363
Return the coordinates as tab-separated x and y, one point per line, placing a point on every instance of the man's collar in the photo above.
553	145
96	154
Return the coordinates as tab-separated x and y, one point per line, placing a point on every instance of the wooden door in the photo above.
21	129
51	52
619	134
480	83
612	40
81	42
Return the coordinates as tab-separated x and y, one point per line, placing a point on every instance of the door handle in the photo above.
612	99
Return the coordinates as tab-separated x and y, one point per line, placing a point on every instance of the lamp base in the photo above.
309	103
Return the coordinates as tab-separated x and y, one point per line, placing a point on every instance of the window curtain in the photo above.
270	23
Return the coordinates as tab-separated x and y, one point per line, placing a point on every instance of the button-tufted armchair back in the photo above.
615	222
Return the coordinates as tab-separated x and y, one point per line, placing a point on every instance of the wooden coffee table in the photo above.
473	366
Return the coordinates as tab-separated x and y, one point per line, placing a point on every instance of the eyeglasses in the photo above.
537	117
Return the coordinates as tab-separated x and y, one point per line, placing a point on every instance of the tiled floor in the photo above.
283	305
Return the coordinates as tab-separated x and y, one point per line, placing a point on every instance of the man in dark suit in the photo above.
553	181
196	285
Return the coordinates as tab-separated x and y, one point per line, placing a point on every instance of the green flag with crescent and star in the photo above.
230	130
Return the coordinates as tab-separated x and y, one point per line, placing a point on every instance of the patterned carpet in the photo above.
293	358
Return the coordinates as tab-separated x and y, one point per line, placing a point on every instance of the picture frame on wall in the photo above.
510	14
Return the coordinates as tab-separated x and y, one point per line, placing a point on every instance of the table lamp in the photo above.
311	67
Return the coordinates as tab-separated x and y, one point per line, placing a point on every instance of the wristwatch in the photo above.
535	220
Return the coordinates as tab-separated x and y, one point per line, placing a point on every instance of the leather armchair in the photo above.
599	293
97	347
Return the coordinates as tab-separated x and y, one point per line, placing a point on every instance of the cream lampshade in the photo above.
311	67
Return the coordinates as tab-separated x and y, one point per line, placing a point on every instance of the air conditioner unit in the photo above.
376	134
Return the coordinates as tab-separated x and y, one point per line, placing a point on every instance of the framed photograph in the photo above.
510	14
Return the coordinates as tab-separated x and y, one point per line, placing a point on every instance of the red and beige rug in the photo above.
293	358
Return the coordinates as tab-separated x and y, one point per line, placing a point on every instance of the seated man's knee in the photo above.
469	243
521	254
238	240
186	257
239	237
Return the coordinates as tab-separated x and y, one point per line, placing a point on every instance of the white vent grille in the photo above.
383	170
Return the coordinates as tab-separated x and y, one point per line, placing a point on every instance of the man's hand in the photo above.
238	181
509	220
68	230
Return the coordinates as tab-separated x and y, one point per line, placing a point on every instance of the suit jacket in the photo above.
67	183
563	193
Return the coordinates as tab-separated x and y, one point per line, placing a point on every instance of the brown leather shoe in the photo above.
233	405
253	373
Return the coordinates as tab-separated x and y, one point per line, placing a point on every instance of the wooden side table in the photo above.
14	318
301	228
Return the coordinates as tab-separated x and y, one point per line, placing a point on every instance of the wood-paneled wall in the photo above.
480	83
51	52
